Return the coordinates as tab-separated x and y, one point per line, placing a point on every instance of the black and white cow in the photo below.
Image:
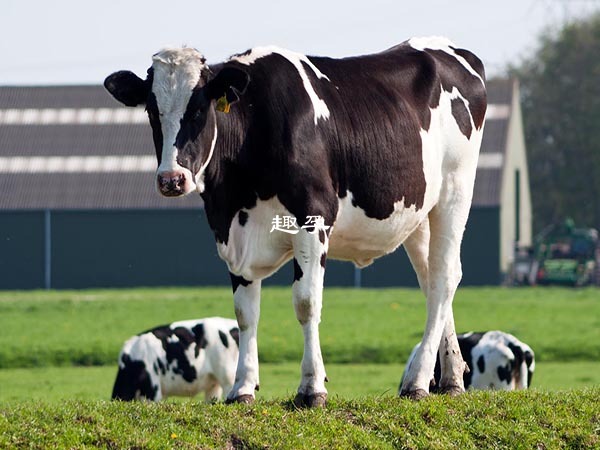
180	359
496	360
320	157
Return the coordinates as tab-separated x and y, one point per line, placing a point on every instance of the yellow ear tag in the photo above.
223	105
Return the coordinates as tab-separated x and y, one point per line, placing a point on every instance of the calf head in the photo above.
180	93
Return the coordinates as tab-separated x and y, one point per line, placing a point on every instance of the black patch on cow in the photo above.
161	366
529	361
461	115
454	74
297	270
154	117
242	218
520	359
236	281
224	339
235	334
434	385
323	259
176	352
175	348
481	363
505	373
466	342
322	236
199	338
131	378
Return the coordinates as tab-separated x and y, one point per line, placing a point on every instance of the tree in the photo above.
560	87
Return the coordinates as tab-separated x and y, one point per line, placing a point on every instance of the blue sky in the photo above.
77	41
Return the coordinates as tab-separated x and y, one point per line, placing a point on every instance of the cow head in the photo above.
180	93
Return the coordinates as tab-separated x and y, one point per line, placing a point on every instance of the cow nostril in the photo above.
171	182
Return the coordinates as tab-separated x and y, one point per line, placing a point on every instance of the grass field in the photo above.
359	326
278	380
58	355
482	420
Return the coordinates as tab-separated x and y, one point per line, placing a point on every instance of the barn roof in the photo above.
74	147
494	144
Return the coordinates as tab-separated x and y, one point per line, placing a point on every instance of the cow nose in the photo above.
171	184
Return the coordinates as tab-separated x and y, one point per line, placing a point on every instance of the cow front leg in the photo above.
310	254
246	297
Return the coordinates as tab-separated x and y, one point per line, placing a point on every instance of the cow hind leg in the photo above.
310	253
246	297
447	222
452	364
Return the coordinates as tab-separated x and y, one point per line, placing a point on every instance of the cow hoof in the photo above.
417	394
310	400
246	399
452	391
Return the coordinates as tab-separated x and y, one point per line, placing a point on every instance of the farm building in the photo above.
78	208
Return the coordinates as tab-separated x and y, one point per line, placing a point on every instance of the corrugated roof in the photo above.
488	181
98	138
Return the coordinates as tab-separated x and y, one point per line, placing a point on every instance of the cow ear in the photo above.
127	88
227	87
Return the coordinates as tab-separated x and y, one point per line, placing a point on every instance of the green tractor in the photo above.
567	255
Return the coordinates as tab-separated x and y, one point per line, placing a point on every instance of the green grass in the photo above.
58	362
526	419
359	326
278	380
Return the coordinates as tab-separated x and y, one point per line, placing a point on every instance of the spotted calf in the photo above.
496	360
180	359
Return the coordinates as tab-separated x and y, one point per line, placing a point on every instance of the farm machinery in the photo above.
561	254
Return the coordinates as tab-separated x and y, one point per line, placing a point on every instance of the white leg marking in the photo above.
307	298
247	310
417	249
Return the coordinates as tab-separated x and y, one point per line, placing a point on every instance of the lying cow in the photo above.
496	360
183	359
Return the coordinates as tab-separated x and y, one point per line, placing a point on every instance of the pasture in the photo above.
58	353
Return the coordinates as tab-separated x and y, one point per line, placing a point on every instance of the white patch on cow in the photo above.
296	59
361	239
444	44
176	73
253	251
200	175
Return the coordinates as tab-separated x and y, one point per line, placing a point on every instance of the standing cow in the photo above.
180	359
305	158
496	360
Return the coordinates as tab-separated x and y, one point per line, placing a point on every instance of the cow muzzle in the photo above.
174	183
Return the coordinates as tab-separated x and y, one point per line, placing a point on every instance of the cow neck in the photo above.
228	187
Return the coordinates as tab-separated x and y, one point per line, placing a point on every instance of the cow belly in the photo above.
361	239
255	250
173	384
